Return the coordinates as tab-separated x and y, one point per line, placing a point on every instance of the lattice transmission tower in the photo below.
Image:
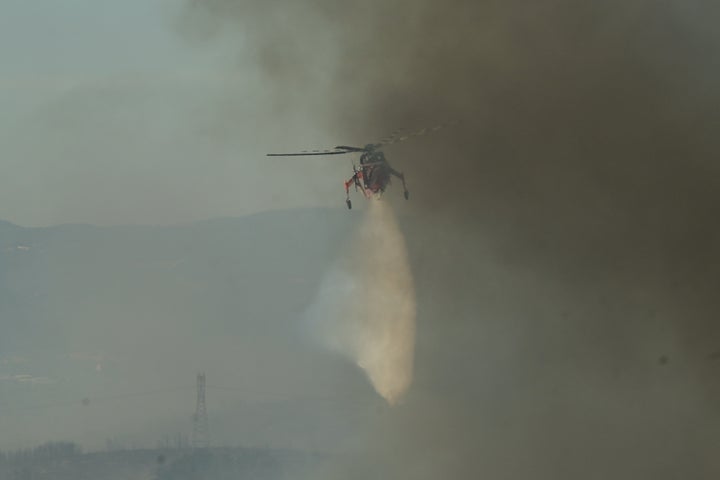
200	437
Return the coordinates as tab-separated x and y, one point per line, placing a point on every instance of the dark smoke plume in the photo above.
564	235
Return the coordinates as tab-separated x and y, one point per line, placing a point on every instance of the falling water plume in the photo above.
366	306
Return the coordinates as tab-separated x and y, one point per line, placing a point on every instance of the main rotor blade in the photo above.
314	152
351	149
400	136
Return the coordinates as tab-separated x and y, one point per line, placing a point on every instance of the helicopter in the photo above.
374	174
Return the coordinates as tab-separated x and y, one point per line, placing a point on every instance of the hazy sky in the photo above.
110	114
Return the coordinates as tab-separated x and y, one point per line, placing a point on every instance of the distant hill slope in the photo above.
260	266
110	311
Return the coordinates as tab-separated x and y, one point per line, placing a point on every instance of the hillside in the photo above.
105	312
262	266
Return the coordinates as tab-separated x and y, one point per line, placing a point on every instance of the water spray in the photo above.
365	308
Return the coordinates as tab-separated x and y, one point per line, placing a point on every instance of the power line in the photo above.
86	401
264	397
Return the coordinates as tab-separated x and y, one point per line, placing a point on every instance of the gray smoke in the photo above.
564	236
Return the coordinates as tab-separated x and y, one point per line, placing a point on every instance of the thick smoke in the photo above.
568	225
366	306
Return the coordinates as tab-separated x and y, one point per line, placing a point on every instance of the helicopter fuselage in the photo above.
374	172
